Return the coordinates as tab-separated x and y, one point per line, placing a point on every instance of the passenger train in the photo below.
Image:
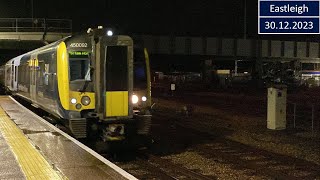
97	85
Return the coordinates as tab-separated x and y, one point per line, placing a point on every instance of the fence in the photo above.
304	117
35	25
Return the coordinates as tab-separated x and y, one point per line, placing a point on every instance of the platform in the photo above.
32	148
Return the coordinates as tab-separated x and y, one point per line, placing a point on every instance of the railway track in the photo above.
261	162
155	167
238	156
176	171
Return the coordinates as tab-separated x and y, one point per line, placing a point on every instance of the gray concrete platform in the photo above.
65	154
9	166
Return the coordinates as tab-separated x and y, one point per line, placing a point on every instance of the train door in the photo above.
40	78
115	77
33	77
12	75
116	80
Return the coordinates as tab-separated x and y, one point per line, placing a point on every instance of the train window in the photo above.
117	68
16	73
21	74
41	73
12	74
46	74
27	77
138	55
140	77
8	75
79	69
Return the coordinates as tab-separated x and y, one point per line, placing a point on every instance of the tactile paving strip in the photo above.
32	163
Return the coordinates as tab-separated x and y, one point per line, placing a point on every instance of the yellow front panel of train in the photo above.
117	103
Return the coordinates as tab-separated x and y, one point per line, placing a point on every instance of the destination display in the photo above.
78	54
288	17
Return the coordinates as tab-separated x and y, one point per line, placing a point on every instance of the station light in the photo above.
109	33
89	30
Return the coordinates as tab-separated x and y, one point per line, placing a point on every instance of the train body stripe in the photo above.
147	61
63	75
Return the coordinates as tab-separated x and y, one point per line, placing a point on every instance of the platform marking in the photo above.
84	147
31	162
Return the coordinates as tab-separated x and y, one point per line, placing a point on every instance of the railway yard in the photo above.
219	140
218	135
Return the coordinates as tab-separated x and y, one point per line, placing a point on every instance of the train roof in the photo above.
49	46
15	60
56	43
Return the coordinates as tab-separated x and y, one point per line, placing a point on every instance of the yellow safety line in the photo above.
32	163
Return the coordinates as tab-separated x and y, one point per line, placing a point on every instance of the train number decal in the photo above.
79	45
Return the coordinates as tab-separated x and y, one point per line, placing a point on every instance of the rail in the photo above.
35	25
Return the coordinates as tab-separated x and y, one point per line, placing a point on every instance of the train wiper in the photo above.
86	83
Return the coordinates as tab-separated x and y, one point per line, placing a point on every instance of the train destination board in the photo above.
288	17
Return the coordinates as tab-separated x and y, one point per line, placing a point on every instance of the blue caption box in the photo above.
289	25
289	8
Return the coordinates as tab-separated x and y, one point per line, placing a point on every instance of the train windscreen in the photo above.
79	64
140	76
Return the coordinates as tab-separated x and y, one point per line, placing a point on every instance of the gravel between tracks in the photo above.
192	160
246	129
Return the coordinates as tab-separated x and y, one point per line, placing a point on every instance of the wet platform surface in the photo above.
31	148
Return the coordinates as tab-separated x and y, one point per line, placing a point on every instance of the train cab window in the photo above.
15	73
79	69
140	76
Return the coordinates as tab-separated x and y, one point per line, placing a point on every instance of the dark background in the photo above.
176	17
192	18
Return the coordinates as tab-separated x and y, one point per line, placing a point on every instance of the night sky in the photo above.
181	17
204	18
192	18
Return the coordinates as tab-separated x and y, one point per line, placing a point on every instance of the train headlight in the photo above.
144	98
73	100
135	99
85	100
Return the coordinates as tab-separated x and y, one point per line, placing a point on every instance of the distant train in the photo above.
97	85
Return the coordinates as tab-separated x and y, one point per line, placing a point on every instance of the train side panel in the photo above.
8	76
46	81
24	77
37	80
